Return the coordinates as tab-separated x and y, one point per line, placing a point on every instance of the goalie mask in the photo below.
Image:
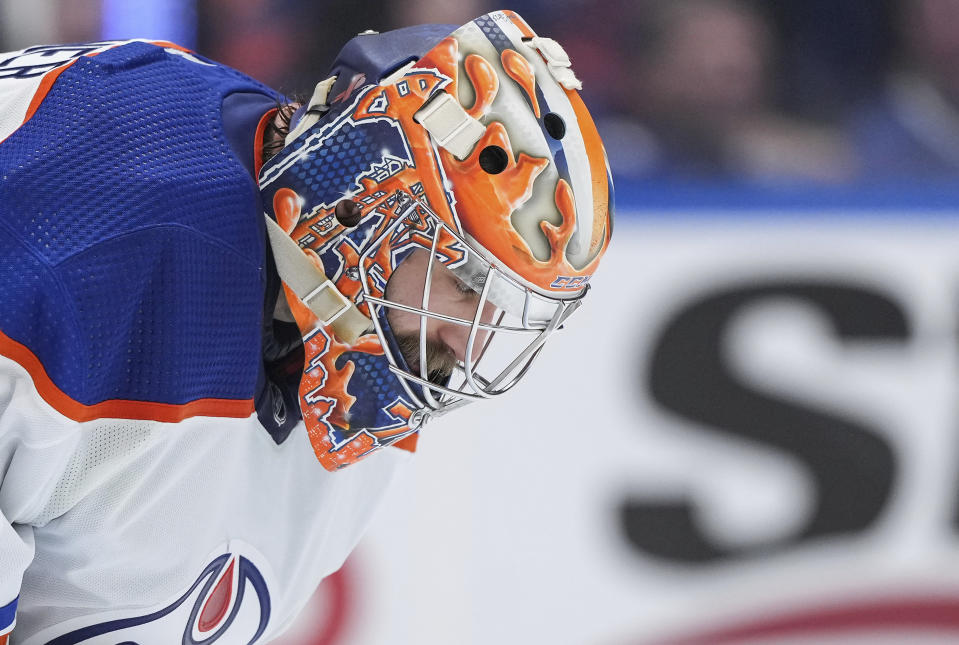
480	157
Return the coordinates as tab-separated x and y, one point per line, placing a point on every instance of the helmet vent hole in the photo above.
493	160
348	213
554	125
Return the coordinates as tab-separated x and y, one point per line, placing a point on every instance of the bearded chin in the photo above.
440	359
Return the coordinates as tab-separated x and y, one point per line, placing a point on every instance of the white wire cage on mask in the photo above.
501	344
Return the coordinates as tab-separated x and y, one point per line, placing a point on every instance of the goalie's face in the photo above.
418	283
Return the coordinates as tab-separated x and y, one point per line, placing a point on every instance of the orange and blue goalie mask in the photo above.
480	153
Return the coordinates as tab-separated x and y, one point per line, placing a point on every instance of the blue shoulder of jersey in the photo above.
131	239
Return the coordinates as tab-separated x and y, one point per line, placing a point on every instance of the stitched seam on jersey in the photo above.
243	257
67	300
66	297
69	430
49	485
127	408
50	77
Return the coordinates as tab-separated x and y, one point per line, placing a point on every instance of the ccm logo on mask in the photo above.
569	282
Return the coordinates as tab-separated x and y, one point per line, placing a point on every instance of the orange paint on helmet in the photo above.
482	198
523	218
406	443
330	402
596	154
443	58
517	20
286	206
559	236
373	196
347	284
485	82
521	70
323	386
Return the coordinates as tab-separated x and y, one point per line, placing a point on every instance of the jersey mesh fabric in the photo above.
140	230
119	497
102	451
31	292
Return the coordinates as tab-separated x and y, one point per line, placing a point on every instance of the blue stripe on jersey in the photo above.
8	614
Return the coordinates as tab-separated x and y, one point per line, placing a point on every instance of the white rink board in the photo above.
509	527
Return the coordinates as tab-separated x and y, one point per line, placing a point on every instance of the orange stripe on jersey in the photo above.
116	408
597	172
44	89
168	44
50	77
4	638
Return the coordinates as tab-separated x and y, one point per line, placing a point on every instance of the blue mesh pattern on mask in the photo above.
374	385
349	149
492	31
333	169
132	241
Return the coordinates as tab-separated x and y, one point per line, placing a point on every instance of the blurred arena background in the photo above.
760	443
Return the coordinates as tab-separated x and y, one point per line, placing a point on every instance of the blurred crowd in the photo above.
778	91
817	91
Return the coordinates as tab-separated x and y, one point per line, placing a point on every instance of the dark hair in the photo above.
277	129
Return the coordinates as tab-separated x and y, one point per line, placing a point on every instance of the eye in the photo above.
462	287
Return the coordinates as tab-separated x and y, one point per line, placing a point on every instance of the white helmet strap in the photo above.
557	60
311	285
449	124
314	109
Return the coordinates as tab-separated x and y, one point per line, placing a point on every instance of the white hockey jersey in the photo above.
156	486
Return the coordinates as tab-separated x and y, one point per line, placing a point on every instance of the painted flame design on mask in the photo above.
483	198
521	70
376	197
483	75
330	382
323	387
